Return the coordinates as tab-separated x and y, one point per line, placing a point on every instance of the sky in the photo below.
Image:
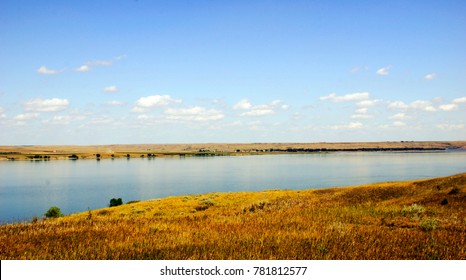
140	71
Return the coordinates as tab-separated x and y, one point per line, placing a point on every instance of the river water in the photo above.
29	188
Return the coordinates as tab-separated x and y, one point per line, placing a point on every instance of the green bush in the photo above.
429	224
53	212
413	209
115	202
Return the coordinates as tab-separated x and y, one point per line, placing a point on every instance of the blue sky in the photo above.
125	71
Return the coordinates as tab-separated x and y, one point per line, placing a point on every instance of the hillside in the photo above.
423	219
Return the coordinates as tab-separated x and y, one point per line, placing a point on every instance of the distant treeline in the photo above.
395	149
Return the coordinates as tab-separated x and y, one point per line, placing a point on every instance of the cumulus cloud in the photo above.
111	89
88	66
46	71
447	126
26	116
399	123
244	104
430	76
101	62
368	103
383	71
83	68
46	105
460	100
259	110
361	116
399	116
64	119
114	103
358	96
361	110
423	105
154	101
351	125
397	105
448	107
196	113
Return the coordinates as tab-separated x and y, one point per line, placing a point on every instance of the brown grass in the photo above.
397	220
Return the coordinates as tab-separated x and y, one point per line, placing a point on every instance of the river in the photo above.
29	188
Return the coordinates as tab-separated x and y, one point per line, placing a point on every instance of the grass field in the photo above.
138	150
424	219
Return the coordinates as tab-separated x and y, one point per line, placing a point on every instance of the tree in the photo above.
53	212
115	202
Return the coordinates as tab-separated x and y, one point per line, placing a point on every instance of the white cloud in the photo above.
46	105
100	120
194	114
368	103
260	110
430	76
244	104
399	116
446	126
101	62
26	116
111	89
398	105
448	107
384	71
45	71
154	101
352	125
358	96
114	103
423	105
361	110
361	116
460	100
83	68
399	123
64	119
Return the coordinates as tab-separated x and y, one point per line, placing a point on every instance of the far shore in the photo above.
64	152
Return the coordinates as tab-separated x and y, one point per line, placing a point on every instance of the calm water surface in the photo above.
30	188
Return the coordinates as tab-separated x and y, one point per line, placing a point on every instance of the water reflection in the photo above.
28	189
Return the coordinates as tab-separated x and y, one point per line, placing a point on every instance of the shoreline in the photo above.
415	219
73	152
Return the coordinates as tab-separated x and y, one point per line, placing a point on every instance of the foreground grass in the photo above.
399	220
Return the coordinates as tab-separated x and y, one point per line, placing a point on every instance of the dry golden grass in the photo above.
423	219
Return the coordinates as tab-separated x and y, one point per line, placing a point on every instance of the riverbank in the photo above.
211	149
422	219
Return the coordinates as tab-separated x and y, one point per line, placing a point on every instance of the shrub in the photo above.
454	191
132	201
428	224
413	209
73	157
115	202
53	212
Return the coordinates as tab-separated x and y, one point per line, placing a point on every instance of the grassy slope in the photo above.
395	220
